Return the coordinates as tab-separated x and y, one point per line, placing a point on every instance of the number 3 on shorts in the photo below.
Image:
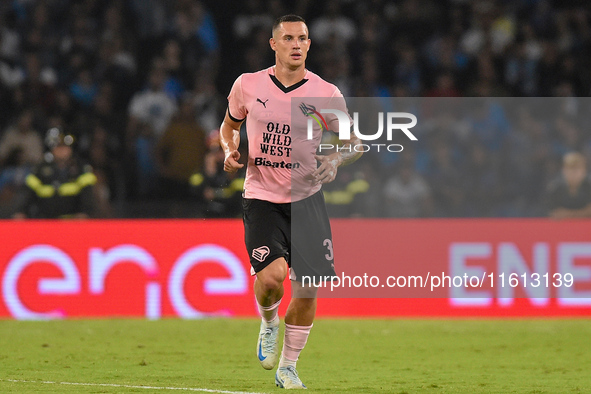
328	243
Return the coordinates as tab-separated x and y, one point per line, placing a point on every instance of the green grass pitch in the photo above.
342	356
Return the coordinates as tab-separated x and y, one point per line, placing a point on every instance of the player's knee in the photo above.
269	283
271	278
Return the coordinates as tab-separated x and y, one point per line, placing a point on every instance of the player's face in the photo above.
291	43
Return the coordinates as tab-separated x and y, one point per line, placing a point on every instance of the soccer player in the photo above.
283	180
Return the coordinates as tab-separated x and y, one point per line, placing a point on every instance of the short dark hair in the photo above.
287	18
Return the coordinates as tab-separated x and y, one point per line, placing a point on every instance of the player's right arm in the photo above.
230	141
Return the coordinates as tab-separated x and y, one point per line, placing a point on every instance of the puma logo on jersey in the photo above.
264	103
260	253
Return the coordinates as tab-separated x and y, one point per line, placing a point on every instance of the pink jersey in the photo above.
280	155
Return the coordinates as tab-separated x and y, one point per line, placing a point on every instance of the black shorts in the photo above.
299	232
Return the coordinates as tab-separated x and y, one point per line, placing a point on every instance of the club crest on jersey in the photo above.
260	253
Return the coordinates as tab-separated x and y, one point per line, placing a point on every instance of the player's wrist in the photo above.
228	151
339	158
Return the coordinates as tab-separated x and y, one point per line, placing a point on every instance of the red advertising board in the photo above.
198	268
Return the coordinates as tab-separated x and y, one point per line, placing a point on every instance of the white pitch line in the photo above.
128	386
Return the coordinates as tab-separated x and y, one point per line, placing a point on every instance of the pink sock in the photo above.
295	340
269	313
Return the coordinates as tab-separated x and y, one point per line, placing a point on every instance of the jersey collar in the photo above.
286	89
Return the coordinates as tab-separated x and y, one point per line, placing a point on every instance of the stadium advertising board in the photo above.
197	268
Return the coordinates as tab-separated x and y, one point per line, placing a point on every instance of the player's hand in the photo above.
327	172
231	164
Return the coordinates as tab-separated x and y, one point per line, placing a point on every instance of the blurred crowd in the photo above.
141	86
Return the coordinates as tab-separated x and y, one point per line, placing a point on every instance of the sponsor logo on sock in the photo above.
260	253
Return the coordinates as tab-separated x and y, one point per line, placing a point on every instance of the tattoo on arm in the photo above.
348	153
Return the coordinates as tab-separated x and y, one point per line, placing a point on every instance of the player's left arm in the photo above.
346	153
327	171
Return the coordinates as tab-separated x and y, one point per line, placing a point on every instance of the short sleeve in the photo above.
236	106
337	101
